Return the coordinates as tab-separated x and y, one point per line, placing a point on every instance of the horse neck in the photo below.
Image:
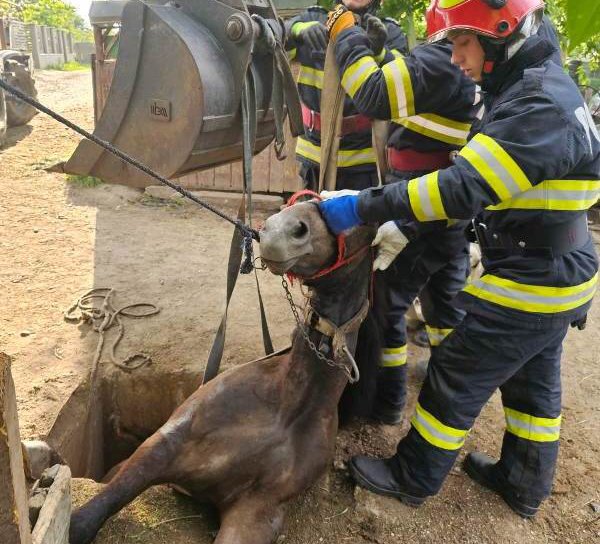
337	297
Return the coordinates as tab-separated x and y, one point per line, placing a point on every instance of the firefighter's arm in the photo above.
305	28
526	144
403	87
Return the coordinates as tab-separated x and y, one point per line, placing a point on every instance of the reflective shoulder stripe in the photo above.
532	298
357	74
299	27
425	198
495	166
435	432
379	58
310	76
555	194
345	159
391	357
292	53
399	88
437	127
397	54
538	429
436	335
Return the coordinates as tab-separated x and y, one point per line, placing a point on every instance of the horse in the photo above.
263	432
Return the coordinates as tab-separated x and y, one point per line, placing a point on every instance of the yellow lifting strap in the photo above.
332	112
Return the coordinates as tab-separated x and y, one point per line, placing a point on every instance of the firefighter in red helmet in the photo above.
528	174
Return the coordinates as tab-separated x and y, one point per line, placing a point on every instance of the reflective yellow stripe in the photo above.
436	335
391	357
435	432
532	298
399	88
299	27
538	429
446	4
495	166
292	53
555	194
379	58
397	54
357	73
346	157
310	76
425	198
437	127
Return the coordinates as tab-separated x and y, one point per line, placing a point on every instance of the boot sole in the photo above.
518	507
403	497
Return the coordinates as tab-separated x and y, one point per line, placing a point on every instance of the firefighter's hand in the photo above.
339	19
314	35
376	31
340	213
390	242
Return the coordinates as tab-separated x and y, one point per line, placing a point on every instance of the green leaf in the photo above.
583	20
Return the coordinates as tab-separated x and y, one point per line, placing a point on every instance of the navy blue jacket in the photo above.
533	164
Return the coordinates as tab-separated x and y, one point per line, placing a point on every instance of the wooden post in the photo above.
52	526
14	511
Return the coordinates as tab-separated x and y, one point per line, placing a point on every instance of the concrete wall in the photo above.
50	46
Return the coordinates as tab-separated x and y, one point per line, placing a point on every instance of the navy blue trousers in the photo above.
480	356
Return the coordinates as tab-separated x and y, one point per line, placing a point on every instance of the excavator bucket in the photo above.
174	100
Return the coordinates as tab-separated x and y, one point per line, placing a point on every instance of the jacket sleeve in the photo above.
527	141
403	87
294	25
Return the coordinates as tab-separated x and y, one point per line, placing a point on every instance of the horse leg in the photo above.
147	466
251	520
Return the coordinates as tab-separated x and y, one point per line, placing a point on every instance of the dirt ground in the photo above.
58	239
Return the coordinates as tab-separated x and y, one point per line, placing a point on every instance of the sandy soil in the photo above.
58	239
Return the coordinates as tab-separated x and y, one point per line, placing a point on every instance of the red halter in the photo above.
342	259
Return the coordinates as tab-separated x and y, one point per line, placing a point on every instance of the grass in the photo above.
71	66
84	181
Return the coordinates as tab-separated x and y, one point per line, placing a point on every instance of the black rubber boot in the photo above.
482	468
391	395
376	475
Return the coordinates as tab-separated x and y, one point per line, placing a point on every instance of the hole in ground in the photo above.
94	433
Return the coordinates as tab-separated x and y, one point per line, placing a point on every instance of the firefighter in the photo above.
528	177
307	43
435	262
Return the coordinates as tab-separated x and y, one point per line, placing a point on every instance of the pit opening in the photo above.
94	433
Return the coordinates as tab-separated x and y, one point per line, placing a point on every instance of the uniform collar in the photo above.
533	53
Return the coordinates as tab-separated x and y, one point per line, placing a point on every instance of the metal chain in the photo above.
305	335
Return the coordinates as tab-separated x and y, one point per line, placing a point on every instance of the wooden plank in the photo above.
14	511
52	526
223	178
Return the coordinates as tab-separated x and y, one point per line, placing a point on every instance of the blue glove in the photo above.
340	213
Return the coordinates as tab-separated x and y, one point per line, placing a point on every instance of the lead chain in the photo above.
305	335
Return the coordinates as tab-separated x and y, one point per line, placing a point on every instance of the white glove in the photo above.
326	195
390	242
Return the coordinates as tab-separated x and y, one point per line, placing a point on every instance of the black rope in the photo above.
248	232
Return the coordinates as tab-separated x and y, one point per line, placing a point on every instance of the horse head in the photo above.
297	241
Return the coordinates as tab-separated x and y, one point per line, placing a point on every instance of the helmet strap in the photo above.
494	55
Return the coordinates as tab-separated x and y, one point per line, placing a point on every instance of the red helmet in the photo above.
496	19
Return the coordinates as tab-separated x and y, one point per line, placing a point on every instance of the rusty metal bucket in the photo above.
174	101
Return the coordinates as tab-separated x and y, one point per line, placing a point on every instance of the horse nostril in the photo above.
299	230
